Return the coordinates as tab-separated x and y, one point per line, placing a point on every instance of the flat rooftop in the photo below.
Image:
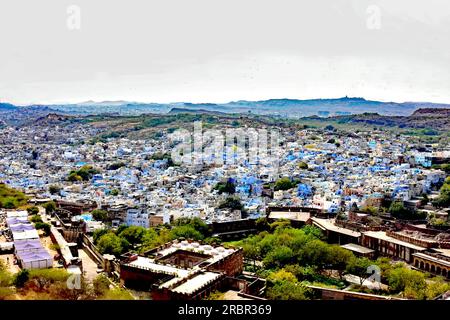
196	283
381	235
297	216
357	248
328	224
150	264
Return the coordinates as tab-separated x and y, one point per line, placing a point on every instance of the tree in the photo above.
133	234
338	258
187	232
36	219
112	244
49	207
232	203
359	267
98	234
33	210
303	165
227	187
100	215
315	253
398	210
284	184
281	275
44	226
115	166
370	210
280	223
197	223
54	189
101	285
74	177
261	224
278	257
287	290
21	278
411	282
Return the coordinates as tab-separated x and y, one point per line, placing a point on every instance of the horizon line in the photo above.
206	102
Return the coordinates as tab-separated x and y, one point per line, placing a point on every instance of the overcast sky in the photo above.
218	51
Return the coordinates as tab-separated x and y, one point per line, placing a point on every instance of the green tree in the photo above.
303	165
98	234
33	210
187	232
74	177
411	282
197	223
398	210
315	253
112	244
225	187
287	290
284	184
49	207
100	215
101	285
359	267
281	275
278	257
54	189
44	226
133	234
232	203
36	219
21	278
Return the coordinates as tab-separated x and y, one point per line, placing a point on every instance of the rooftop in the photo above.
383	236
357	248
328	224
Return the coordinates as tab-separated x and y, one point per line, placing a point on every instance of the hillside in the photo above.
424	118
292	108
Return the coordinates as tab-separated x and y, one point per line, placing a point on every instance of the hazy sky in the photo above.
217	51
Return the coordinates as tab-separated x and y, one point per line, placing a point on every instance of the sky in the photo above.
60	51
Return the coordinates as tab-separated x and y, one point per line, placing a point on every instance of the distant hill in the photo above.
424	118
431	112
195	111
291	108
7	107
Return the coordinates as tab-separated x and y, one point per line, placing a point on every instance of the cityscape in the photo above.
338	207
224	158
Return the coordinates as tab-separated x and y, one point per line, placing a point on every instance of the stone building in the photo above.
183	270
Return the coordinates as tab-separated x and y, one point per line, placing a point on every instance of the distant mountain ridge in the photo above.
282	107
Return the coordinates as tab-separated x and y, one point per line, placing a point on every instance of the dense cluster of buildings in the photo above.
336	174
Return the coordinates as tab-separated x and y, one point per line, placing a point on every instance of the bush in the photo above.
21	278
44	226
33	210
36	219
284	184
100	215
